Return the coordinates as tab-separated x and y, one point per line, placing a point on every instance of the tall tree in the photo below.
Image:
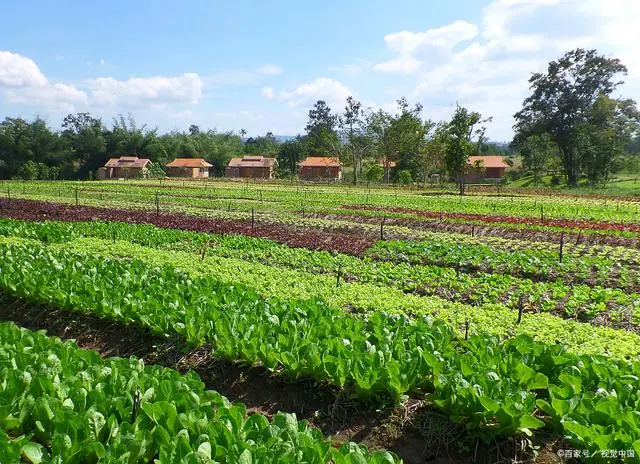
537	153
290	153
459	135
604	136
407	135
561	99
351	122
86	137
322	137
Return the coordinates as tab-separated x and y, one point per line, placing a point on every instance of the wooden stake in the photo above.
382	229
561	245
520	309
157	205
338	275
473	230
466	329
252	218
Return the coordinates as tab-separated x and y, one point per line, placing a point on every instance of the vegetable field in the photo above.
396	325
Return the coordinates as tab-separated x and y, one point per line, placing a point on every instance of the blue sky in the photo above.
260	65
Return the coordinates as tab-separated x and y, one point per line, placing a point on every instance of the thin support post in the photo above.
561	245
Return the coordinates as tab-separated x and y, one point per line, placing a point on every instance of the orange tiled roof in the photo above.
320	161
251	162
188	163
492	161
127	162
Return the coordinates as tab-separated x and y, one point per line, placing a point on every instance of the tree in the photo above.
561	100
266	146
290	153
604	136
322	137
432	158
458	138
537	153
351	122
374	173
29	170
126	138
85	135
407	134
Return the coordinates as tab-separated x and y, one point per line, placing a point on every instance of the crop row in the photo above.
37	210
577	301
537	265
495	387
290	198
491	218
438	249
586	242
63	404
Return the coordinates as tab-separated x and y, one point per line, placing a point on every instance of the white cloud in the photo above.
19	71
268	93
332	91
404	64
270	70
516	39
143	91
439	40
24	83
407	43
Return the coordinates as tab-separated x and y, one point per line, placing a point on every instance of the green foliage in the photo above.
264	146
156	171
29	171
458	137
322	138
494	387
404	177
63	404
374	173
538	155
290	153
603	138
562	99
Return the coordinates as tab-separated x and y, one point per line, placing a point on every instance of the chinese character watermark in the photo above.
583	453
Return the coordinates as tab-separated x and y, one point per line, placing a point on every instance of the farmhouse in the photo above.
320	168
485	168
251	166
127	167
195	168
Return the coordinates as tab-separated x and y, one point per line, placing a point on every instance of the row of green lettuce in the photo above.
403	273
61	404
291	197
451	250
236	258
495	387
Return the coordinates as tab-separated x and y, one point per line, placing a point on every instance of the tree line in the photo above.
570	124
